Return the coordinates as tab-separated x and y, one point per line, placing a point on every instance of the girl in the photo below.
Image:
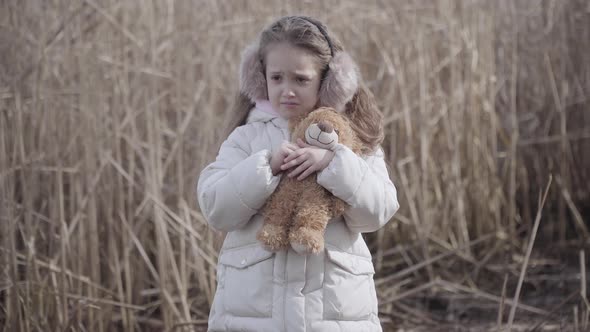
294	67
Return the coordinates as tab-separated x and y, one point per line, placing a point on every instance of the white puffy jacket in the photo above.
260	291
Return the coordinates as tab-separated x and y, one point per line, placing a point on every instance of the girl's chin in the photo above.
289	112
287	116
289	108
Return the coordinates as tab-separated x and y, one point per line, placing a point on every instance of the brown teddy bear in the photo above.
298	212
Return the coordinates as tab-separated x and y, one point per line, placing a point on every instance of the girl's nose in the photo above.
288	90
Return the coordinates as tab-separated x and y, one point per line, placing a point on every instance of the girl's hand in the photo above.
278	158
309	158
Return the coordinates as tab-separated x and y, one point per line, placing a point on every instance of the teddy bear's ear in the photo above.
340	83
252	81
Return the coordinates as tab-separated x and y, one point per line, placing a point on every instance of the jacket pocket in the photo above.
349	292
248	281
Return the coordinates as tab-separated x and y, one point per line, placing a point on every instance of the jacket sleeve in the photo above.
237	184
365	185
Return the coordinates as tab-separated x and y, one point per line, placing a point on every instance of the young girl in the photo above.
294	67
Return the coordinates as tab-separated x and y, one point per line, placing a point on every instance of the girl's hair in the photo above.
366	119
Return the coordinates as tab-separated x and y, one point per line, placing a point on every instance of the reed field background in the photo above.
110	109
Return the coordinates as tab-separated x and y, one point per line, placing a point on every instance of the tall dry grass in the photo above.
110	109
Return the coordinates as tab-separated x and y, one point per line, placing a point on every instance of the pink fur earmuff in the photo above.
337	88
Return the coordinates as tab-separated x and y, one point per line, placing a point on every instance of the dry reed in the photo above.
110	109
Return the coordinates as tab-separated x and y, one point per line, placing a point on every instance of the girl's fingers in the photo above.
307	173
301	143
288	158
287	148
300	169
292	147
288	164
293	155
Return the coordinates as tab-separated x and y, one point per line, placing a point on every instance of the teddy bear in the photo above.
298	211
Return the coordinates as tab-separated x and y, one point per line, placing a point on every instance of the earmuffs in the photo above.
338	86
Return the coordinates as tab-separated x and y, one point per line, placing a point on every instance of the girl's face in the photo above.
292	80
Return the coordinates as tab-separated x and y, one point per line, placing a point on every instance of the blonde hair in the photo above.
303	32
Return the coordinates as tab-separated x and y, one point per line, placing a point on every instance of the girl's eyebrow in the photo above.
305	74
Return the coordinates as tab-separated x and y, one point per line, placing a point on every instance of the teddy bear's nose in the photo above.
325	127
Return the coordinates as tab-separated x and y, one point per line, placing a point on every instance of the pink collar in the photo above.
265	106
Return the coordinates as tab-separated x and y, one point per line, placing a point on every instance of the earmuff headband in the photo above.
337	88
322	31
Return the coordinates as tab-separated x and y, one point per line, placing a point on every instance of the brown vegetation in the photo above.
110	109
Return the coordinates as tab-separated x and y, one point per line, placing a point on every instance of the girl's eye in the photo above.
302	79
275	77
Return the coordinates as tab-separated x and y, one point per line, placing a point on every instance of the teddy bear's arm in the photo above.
363	184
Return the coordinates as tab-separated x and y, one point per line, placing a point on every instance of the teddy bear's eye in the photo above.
337	131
